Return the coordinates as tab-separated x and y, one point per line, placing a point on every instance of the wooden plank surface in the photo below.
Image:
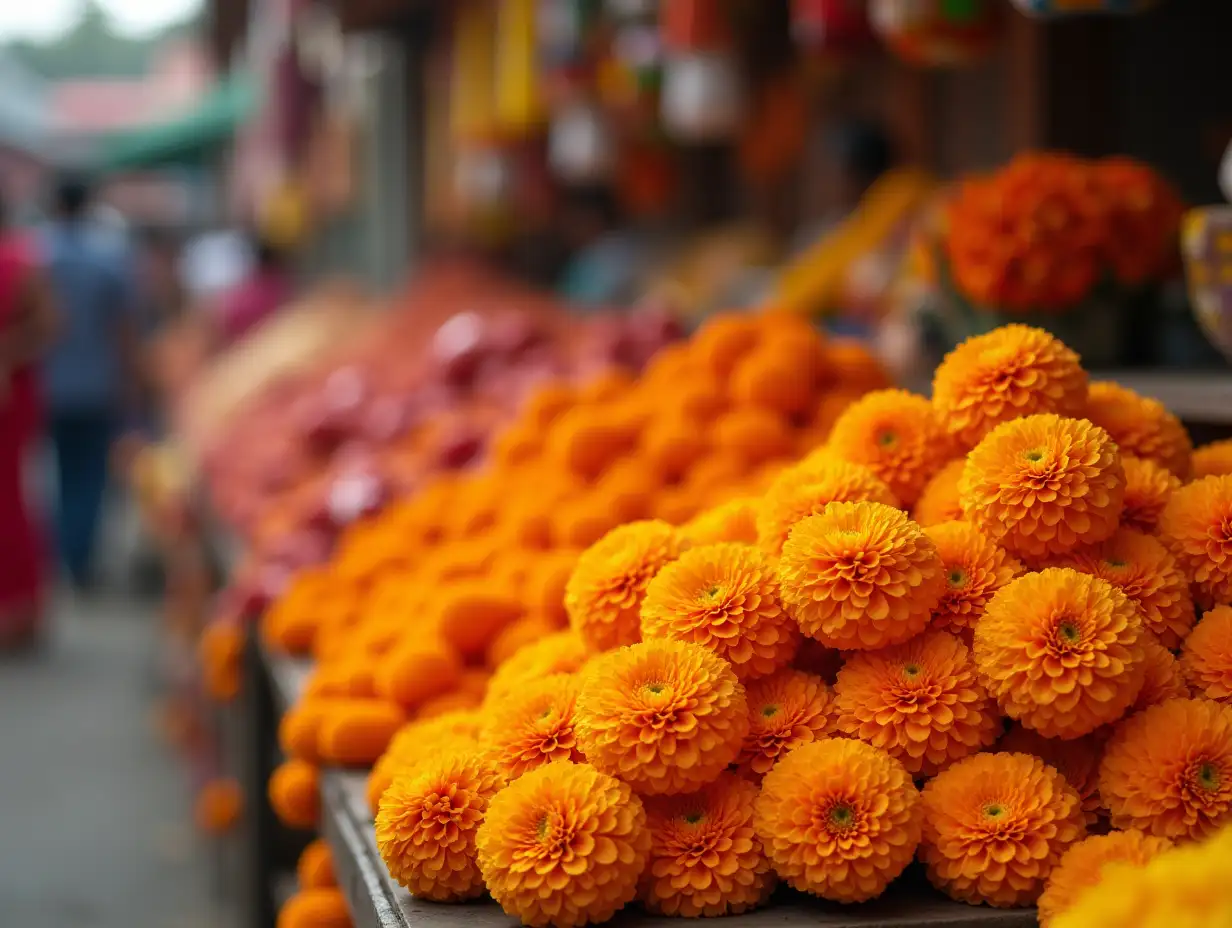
1201	397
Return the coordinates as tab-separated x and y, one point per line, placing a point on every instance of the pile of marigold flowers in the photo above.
988	631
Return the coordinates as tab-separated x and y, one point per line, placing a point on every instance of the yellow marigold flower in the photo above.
806	489
426	826
724	597
786	710
315	867
1206	658
533	725
1061	652
838	818
295	793
1140	426
994	827
1213	460
562	652
860	576
1044	485
705	858
940	500
1168	770
1164	678
419	741
898	436
735	520
324	907
1196	526
974	569
1076	759
1082	867
664	716
1005	374
564	846
604	595
919	701
1148	487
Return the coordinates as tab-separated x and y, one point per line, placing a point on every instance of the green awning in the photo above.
187	139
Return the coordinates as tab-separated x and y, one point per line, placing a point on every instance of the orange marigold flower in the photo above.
562	652
417	669
315	908
786	710
1140	426
839	819
1163	679
604	594
1148	487
898	436
564	846
294	793
1044	485
705	858
1081	867
939	500
726	598
218	806
420	741
860	576
664	716
974	569
1061	651
1197	528
1206	658
807	488
855	367
1141	568
994	827
315	867
1168	770
355	732
735	520
919	701
1076	759
1008	373
1213	460
533	725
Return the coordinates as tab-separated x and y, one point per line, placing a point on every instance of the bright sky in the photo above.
45	18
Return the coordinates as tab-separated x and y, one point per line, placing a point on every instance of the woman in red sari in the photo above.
26	330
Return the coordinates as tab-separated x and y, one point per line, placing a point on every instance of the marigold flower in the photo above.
561	652
752	435
315	867
898	436
1168	770
604	595
417	669
294	794
664	716
355	732
1164	677
1010	372
786	710
1061	652
919	701
940	500
974	569
854	366
780	375
1148	487
315	908
218	806
1206	658
533	725
807	488
860	576
298	729
419	741
726	598
564	845
705	858
221	649
1196	525
1044	485
1076	759
1081	867
838	818
735	521
994	827
1213	460
1141	426
426	825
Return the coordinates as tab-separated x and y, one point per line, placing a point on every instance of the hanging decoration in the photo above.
937	33
831	26
1045	9
703	92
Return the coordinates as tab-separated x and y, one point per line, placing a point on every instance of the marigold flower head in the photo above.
807	488
1168	770
1081	867
604	595
533	725
735	521
898	436
1148	487
1076	759
426	825
705	858
315	867
562	652
786	710
665	716
419	741
1044	485
564	845
295	793
838	818
919	701
1141	426
324	907
1206	658
1213	460
994	827
1061	651
1008	373
1196	525
724	597
218	806
855	367
974	569
1163	678
940	500
860	576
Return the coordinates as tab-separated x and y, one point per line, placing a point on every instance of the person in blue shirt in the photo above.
87	373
